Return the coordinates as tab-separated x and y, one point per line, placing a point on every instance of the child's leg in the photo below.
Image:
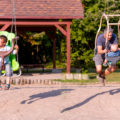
7	85
105	61
0	81
8	75
7	80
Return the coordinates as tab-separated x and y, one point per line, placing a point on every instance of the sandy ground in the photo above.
39	102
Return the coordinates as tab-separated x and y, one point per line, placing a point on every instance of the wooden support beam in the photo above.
54	48
25	23
117	15
61	29
114	23
68	48
5	26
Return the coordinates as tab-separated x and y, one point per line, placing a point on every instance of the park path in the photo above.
60	102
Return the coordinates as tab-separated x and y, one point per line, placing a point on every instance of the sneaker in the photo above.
104	80
7	87
105	64
0	87
101	79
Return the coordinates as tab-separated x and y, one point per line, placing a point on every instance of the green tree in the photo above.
83	32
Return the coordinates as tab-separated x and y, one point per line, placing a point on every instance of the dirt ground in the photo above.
60	102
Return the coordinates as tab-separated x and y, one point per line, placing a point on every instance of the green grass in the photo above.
79	82
58	64
112	78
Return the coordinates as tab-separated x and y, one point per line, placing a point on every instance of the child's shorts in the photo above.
8	70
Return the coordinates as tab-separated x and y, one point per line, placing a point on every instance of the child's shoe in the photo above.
7	86
0	87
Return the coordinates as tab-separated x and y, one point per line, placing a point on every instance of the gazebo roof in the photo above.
42	9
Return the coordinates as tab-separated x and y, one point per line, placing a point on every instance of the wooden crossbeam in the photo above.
117	15
35	23
114	23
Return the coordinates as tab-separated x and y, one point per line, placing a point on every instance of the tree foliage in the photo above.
83	34
34	48
83	31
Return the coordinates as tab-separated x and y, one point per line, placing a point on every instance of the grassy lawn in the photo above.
112	78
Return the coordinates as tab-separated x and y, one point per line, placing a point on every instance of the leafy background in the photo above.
37	47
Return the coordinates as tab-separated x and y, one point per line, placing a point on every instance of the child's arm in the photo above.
16	49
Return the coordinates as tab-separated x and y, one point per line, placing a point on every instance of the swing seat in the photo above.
14	64
113	60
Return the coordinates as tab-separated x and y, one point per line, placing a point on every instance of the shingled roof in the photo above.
42	9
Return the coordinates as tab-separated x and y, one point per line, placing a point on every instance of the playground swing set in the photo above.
12	39
107	17
12	36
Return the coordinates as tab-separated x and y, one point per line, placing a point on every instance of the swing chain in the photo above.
14	19
119	29
14	24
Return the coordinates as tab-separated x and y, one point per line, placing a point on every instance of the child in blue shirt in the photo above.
113	53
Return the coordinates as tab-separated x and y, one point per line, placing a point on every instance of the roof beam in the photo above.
35	23
43	17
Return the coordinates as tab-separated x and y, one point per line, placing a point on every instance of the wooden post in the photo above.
68	48
67	34
54	49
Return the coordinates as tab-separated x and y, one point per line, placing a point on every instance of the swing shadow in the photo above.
111	92
52	93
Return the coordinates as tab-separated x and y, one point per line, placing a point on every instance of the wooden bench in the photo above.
30	66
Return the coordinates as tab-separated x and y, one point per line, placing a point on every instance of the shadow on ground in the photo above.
111	92
52	93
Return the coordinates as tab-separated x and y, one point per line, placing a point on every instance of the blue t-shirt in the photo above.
113	54
101	41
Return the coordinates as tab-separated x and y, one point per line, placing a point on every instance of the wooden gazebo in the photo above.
39	15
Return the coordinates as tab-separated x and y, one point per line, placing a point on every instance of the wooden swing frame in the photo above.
106	16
